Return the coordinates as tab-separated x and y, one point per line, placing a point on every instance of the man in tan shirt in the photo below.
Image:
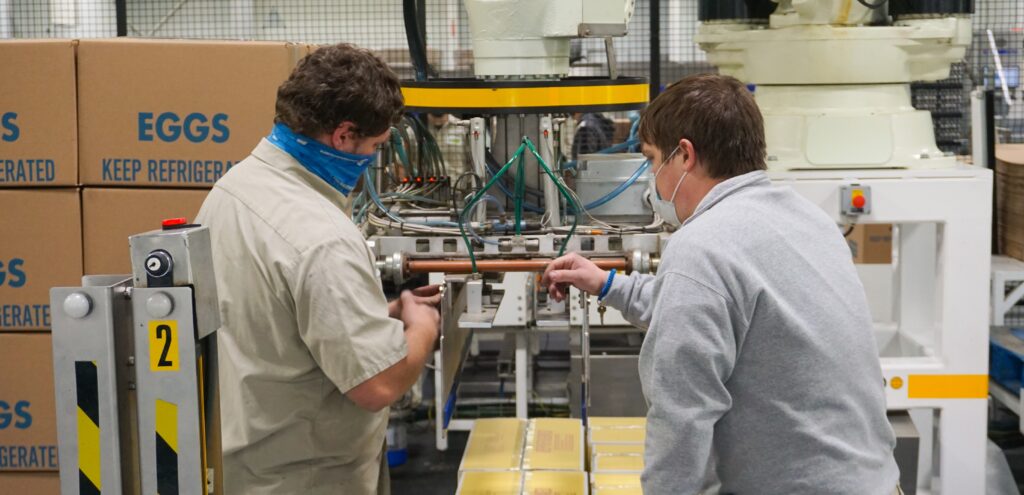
311	352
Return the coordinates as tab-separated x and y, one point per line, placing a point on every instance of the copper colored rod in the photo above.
522	265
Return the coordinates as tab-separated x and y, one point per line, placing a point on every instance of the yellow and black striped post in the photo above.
89	458
166	448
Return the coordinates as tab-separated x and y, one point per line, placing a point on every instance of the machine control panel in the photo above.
855	199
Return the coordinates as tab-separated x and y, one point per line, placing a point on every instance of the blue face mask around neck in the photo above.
340	169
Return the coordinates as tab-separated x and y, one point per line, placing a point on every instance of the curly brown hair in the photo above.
339	83
717	114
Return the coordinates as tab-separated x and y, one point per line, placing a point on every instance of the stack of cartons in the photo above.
513	456
155	138
99	140
615	449
1010	199
41	248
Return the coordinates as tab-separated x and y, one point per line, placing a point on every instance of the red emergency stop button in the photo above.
859	201
173	222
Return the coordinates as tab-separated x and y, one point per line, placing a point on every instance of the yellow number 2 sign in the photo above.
163	345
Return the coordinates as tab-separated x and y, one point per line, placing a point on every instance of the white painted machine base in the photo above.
939	328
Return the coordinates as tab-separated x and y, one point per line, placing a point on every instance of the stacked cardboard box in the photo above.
539	457
615	449
104	140
1010	200
156	138
41	248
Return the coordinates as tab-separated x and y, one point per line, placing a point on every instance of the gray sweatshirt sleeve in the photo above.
688	355
631	295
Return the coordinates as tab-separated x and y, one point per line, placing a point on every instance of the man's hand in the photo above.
428	294
573	269
420	312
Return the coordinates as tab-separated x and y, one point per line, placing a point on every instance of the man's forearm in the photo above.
633	296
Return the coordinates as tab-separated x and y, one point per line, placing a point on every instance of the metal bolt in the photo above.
131	360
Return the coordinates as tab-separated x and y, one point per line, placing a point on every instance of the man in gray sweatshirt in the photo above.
759	349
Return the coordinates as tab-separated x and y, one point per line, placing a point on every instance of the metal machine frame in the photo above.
135	367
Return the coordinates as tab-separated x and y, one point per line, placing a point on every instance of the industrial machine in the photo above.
135	368
486	234
832	78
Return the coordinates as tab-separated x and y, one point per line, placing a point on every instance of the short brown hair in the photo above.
339	83
717	114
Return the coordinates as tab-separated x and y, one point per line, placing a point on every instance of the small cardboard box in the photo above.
495	444
30	483
554	444
615	484
111	215
38	114
41	248
490	483
173	113
555	483
871	243
612	449
618	463
28	421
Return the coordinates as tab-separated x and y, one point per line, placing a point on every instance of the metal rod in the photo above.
121	15
503	265
655	28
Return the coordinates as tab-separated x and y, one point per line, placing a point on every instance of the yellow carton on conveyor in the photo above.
633	434
555	483
554	444
615	430
606	449
617	463
495	444
617	422
615	484
490	483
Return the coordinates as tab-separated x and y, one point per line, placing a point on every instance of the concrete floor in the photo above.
429	471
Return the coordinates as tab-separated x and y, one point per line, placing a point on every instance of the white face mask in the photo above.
666	209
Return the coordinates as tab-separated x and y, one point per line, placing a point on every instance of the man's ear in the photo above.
343	136
689	155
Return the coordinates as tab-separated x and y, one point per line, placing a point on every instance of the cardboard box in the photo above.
617	484
611	449
41	248
38	114
555	483
170	113
616	422
110	215
28	421
489	483
871	243
618	463
554	444
1009	192
30	483
495	444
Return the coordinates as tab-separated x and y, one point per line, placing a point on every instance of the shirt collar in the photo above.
727	188
279	159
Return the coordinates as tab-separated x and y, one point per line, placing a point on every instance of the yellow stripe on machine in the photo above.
167	423
947	386
526	97
89	448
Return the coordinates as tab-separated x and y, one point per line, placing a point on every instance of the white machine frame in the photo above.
940	328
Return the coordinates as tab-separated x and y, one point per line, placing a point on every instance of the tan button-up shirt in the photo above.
304	321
